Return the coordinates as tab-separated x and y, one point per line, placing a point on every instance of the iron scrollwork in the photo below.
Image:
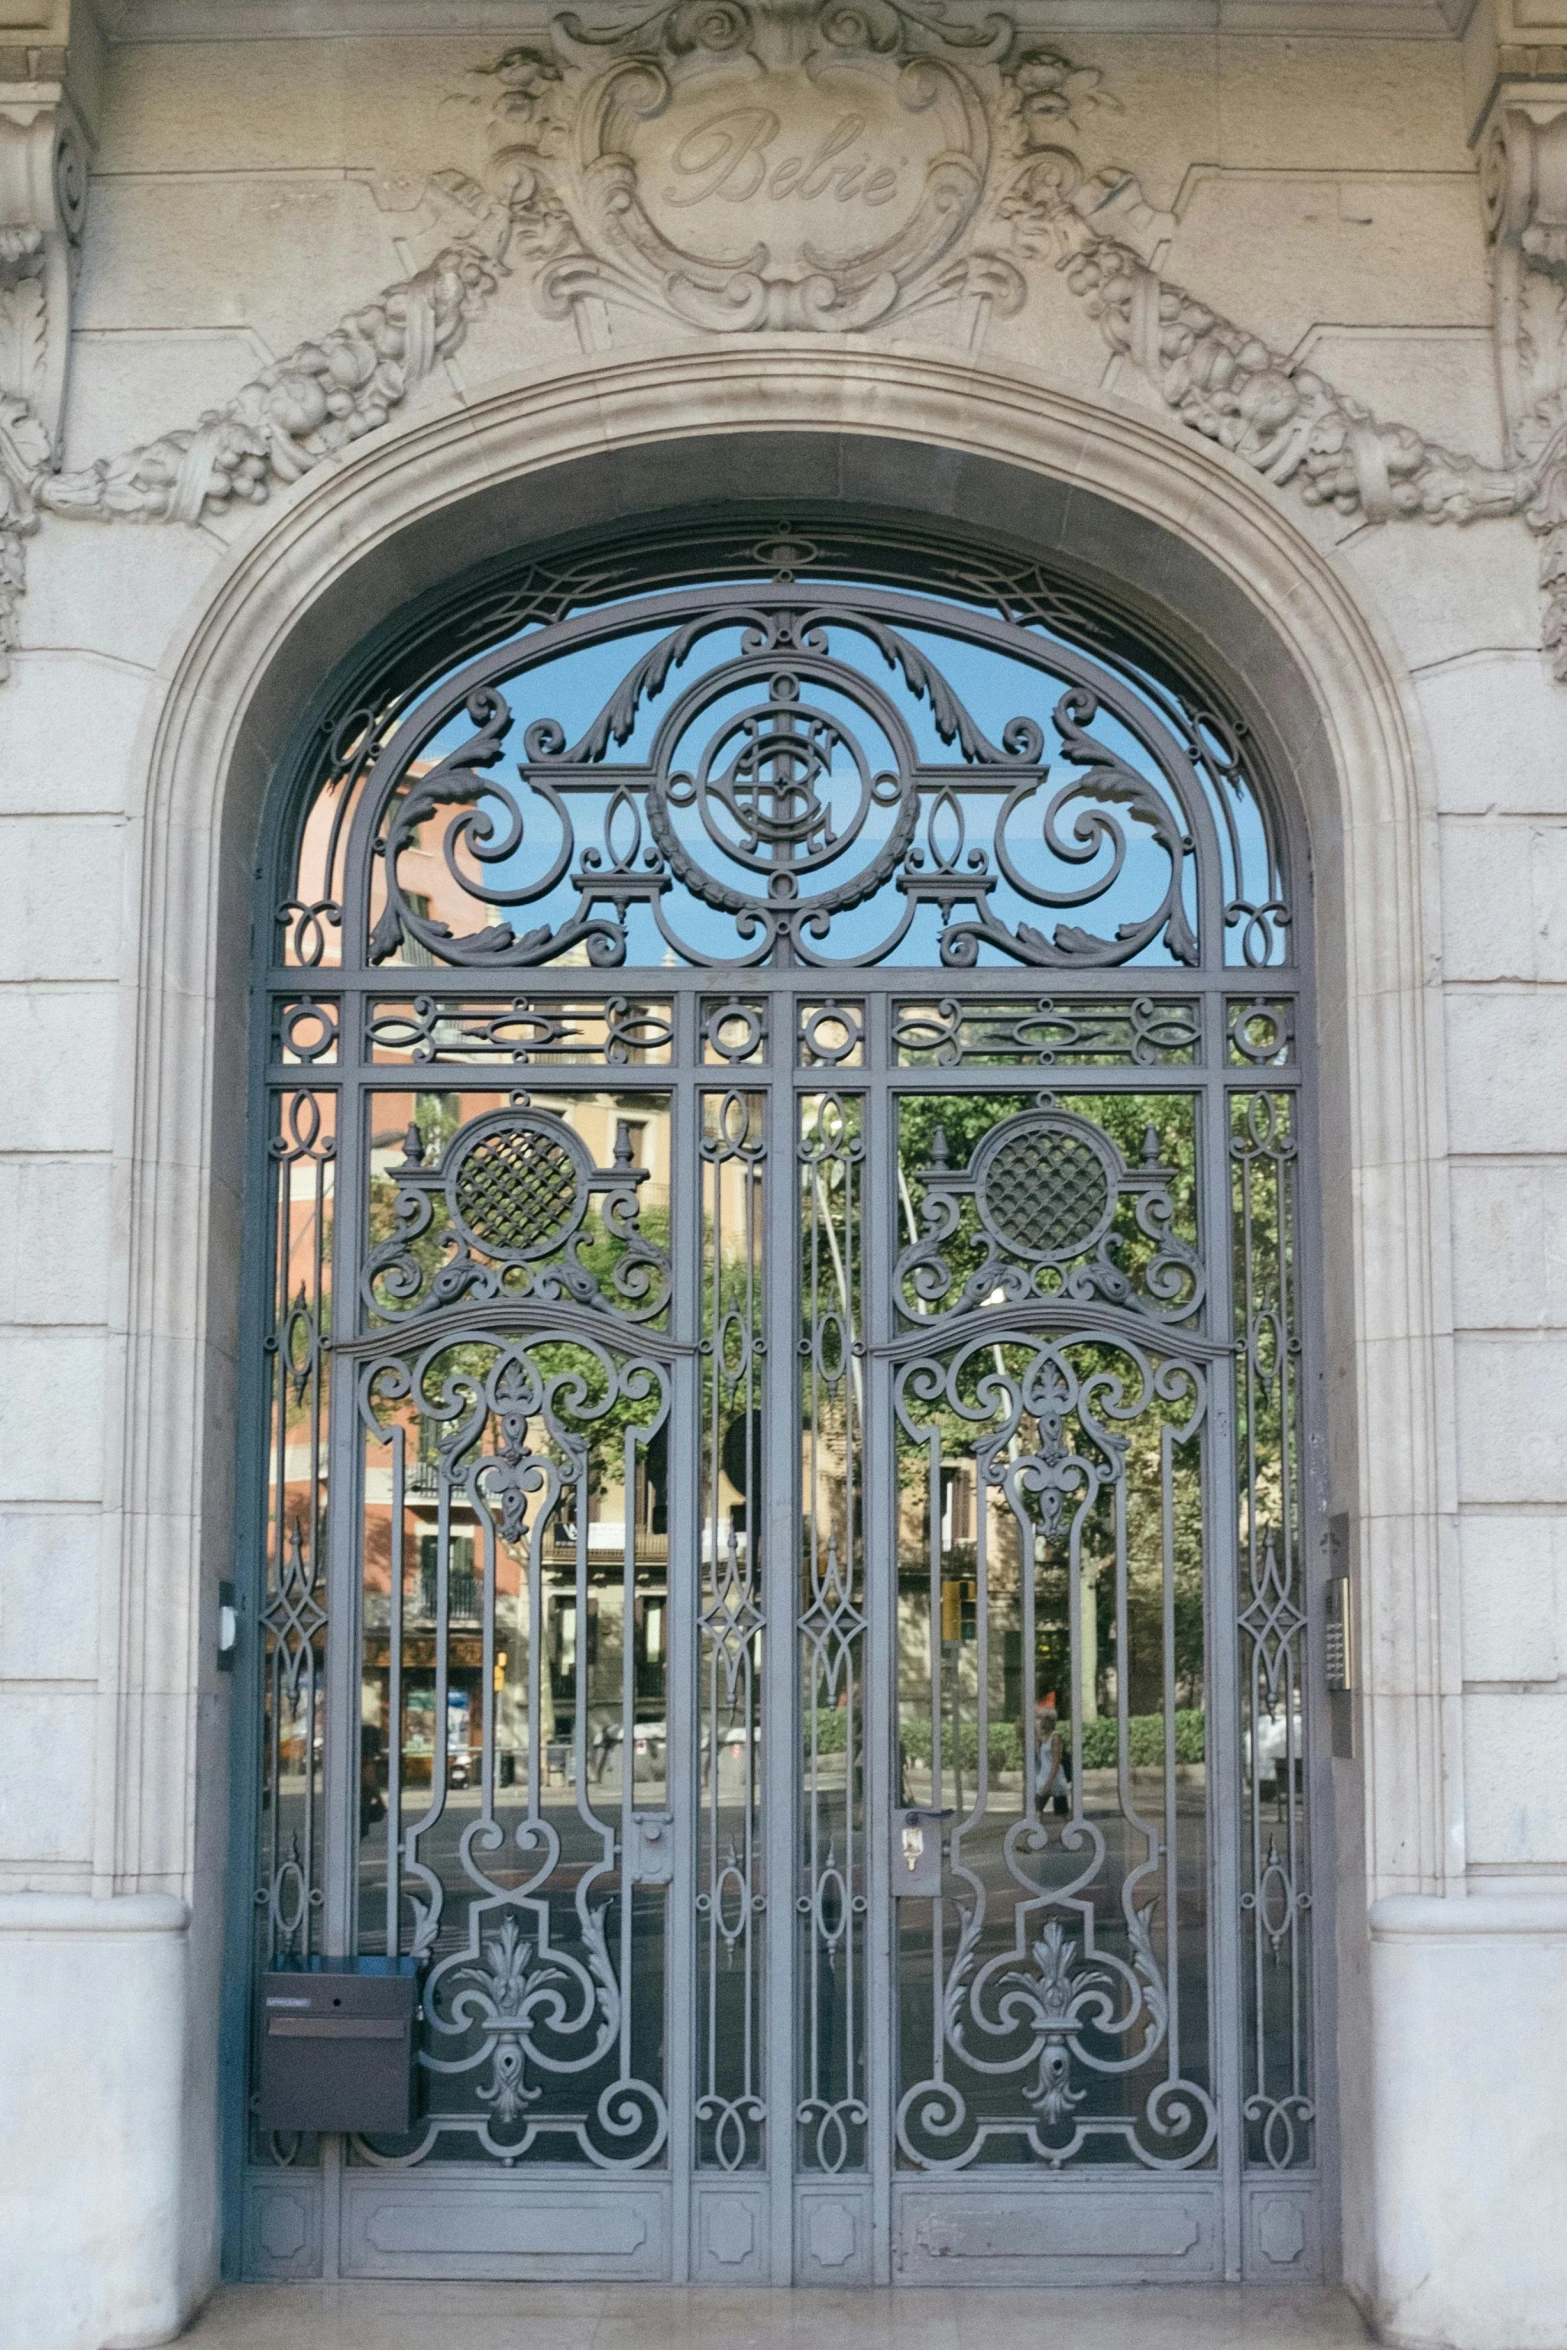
732	1629
614	1030
532	1993
1039	1419
1060	1979
294	1609
513	1189
1143	1031
1043	1194
785	787
831	2113
1279	2104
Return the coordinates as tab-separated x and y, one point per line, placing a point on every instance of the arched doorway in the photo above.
782	1547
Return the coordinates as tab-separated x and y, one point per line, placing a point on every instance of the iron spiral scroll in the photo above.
770	764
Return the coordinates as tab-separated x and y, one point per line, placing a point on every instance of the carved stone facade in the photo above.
349	307
835	167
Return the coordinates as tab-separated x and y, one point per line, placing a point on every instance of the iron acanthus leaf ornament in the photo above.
795	165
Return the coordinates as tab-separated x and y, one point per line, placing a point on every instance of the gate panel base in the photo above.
1071	2233
283	2225
729	2231
504	2228
832	2232
1283	2234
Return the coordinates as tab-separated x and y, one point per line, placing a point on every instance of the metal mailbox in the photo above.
337	2046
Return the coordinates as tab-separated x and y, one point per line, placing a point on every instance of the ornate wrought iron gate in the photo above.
784	1549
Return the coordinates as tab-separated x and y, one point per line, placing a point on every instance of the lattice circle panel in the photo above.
1045	1193
518	1192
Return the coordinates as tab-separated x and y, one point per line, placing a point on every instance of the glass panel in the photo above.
1052	2001
801	772
529	1031
1147	1031
1275	1851
1015	1198
831	1901
730	2110
512	1737
289	1893
310	919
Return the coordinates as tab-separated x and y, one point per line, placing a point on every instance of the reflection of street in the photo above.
582	1842
538	2044
1068	1851
507	1863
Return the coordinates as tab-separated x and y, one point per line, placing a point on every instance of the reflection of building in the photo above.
587	1655
454	1547
432	892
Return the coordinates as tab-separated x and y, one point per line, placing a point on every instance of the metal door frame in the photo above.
785	1082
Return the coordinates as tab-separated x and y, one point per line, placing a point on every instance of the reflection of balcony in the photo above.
608	1541
606	1538
463	1594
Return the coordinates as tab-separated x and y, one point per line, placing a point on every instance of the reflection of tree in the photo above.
1264	1276
577	1385
731	1334
437	1117
832	1381
927	1123
963	1120
1145	1570
1137	1458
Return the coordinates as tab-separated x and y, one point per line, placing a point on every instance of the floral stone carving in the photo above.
1224	381
796	165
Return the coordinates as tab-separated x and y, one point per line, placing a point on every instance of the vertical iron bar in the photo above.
340	1746
780	1743
394	1695
682	1644
1221	1604
628	1737
879	1513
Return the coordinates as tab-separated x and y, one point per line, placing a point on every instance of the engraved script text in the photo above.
731	155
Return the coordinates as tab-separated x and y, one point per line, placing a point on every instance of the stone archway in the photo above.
1227	574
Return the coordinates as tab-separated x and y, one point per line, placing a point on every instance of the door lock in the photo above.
916	1845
